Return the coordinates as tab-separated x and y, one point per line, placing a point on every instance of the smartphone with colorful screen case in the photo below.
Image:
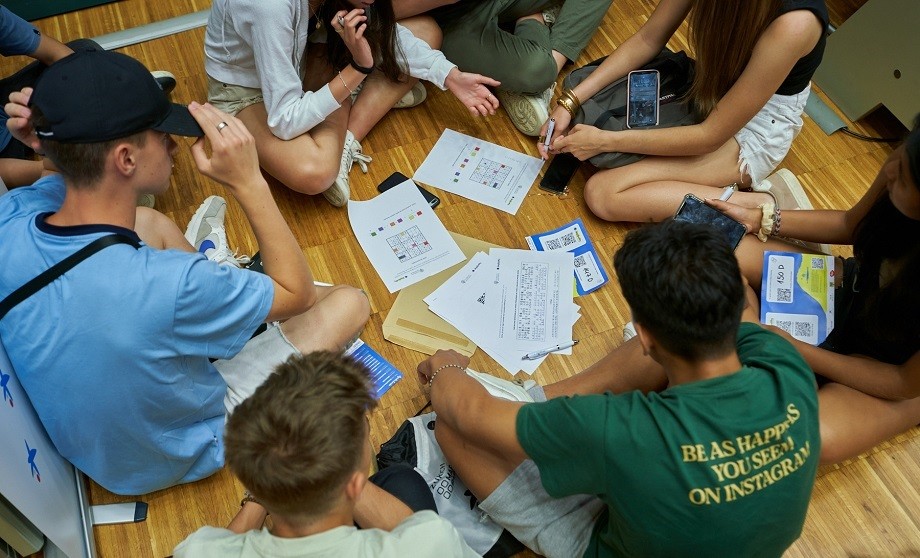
642	98
695	210
398	178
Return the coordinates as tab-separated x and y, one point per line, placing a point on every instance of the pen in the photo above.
727	193
549	134
543	352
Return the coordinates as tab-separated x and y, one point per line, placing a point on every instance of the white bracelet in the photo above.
435	373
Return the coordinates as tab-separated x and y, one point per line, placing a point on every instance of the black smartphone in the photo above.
559	173
695	210
399	178
642	91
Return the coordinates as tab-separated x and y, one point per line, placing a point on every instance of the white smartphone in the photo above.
642	98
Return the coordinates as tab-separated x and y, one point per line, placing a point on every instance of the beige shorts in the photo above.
232	98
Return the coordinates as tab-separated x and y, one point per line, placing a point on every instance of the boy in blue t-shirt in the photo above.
721	462
115	354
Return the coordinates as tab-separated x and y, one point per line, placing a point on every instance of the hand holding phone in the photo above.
695	210
642	101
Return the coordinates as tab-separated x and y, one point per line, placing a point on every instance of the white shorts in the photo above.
766	139
253	364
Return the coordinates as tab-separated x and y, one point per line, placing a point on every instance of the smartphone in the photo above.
642	98
398	178
695	210
557	176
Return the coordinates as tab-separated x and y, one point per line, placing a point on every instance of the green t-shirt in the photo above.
720	467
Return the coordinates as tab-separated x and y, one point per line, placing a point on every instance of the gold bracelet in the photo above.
768	211
570	93
566	103
350	92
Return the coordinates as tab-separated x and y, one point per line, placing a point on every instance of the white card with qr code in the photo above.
573	237
780	278
801	326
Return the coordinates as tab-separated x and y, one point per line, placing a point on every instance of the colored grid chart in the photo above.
490	173
409	244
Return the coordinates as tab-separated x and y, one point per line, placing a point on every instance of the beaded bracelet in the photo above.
345	83
435	373
364	70
767	221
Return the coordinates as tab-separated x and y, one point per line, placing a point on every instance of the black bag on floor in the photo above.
414	444
607	108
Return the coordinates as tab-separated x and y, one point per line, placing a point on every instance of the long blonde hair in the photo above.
723	34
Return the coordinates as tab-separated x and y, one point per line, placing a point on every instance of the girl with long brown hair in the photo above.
754	60
309	104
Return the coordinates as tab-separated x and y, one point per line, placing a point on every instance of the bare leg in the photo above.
652	189
308	163
337	317
159	231
625	369
853	422
379	93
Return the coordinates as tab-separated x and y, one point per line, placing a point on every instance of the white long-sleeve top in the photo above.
261	44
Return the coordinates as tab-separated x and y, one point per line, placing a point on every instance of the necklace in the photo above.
314	13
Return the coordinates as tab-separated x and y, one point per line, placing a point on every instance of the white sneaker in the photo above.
339	193
528	113
414	97
629	331
207	234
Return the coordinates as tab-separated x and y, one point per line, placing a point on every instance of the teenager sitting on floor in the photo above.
754	60
301	446
721	462
267	64
873	354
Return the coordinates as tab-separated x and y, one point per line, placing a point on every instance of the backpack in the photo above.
414	444
607	108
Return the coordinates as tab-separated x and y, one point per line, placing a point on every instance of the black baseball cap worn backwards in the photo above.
95	96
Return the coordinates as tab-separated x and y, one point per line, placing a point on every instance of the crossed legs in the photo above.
648	190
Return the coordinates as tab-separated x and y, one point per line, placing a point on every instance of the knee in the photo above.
313	175
352	303
532	74
426	29
597	198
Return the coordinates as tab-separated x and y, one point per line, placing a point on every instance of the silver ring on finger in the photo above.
221	126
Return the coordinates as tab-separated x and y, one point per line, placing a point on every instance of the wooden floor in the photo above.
868	507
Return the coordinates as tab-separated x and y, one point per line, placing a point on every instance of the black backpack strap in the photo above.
60	268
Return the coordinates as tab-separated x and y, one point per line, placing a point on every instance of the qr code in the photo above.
783	295
580	261
803	330
559	243
817	263
785	325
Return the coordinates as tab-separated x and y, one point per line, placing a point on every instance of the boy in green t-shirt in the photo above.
720	462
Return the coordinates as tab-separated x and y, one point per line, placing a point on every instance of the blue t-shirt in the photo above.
114	354
17	36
